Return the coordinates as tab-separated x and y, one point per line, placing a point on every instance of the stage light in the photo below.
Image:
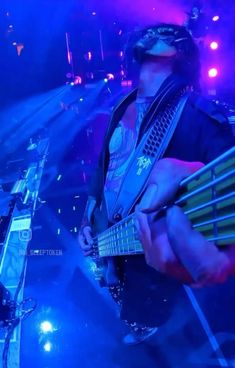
77	80
214	45
88	56
126	83
46	326
93	13
110	76
105	80
215	18
212	72
47	346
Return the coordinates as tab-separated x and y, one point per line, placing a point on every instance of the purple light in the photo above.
93	13
215	18
126	83
214	45
77	80
212	72
110	76
89	55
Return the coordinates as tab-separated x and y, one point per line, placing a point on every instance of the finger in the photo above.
83	243
164	182
148	200
88	253
87	248
88	234
158	195
81	240
142	227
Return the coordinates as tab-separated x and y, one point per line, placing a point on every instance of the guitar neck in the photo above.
208	200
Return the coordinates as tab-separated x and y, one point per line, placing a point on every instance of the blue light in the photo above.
47	346
46	327
105	80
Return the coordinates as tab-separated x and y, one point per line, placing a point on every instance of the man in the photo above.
169	72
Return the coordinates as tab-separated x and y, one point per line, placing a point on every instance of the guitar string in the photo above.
119	244
179	201
206	186
118	230
216	219
116	250
115	244
227	156
115	228
210	203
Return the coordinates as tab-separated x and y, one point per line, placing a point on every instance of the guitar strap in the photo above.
151	148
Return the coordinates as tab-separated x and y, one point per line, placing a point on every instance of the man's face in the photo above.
158	41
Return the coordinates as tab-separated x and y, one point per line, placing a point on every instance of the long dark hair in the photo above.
187	61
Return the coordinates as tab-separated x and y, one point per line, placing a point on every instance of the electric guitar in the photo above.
208	200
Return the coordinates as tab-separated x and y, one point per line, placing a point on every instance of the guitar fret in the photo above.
216	219
214	208
206	186
224	157
128	245
209	203
223	237
126	235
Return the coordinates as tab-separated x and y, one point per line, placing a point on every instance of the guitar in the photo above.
208	200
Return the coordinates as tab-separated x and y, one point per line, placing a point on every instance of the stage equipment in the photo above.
20	180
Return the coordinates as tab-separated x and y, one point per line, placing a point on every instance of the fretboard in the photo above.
208	201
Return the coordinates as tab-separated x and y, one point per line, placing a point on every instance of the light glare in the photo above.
215	18
47	347
214	45
46	327
212	72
